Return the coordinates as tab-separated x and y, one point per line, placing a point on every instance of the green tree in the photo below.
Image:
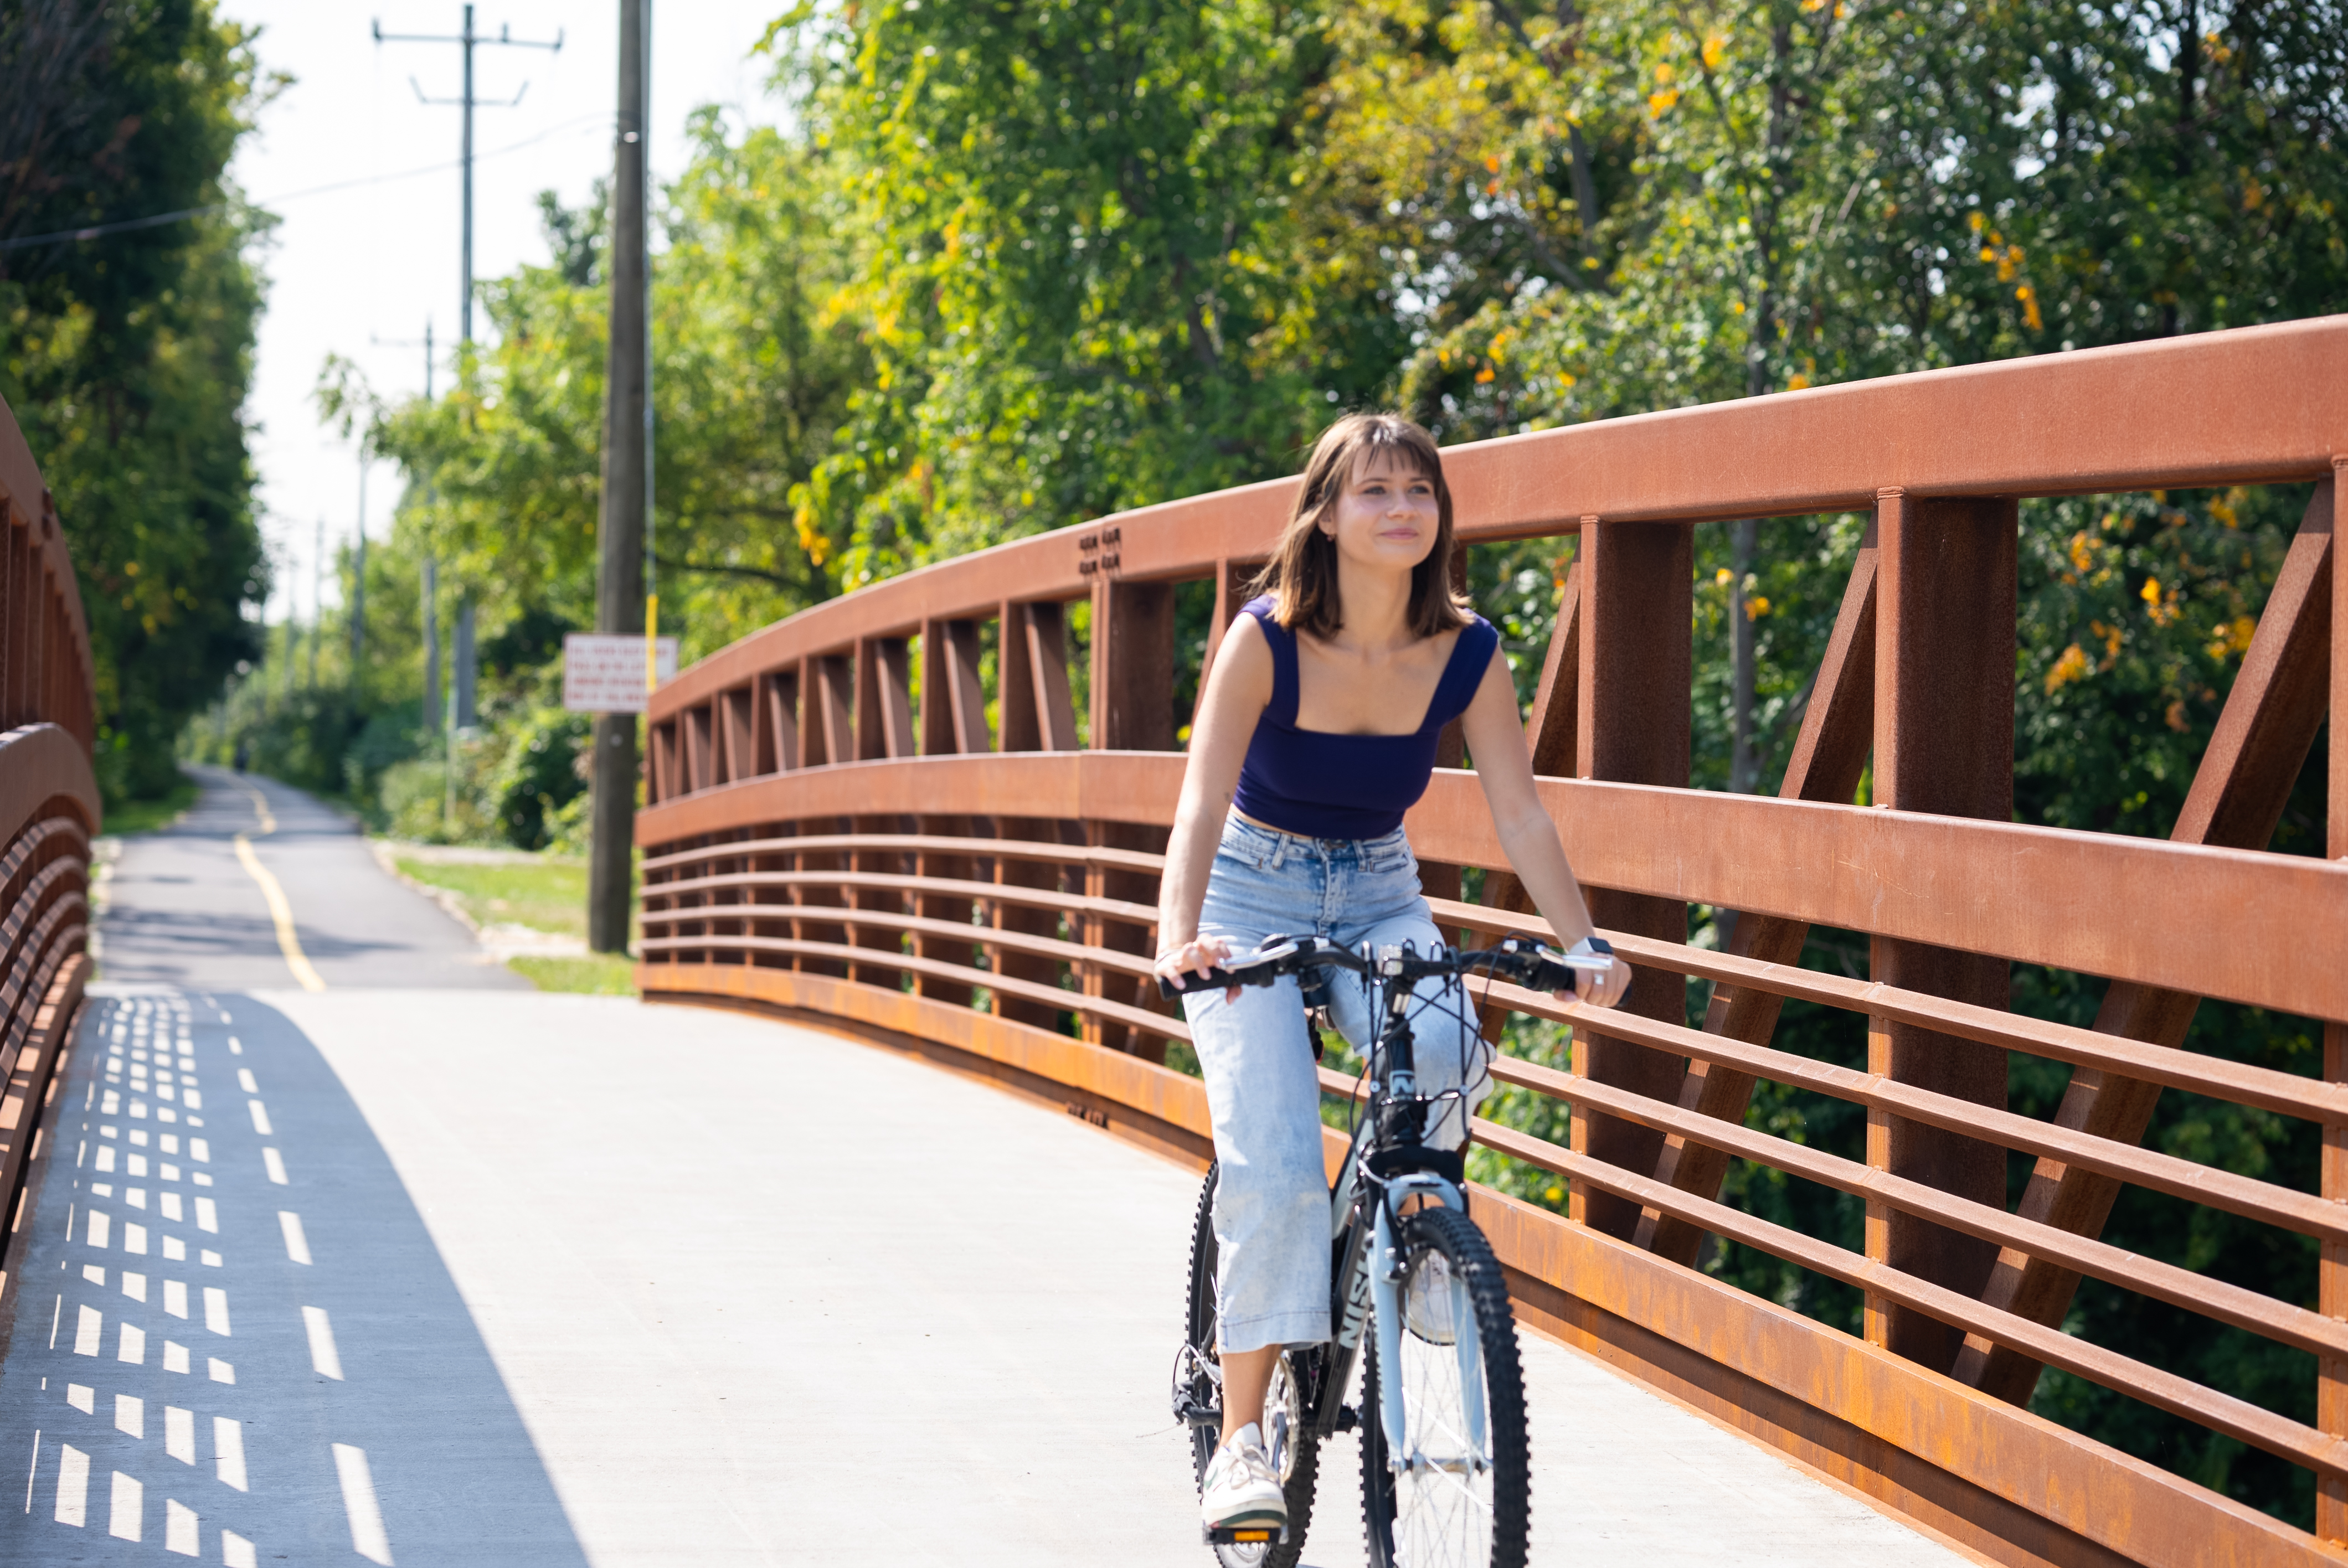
1076	263
752	370
125	358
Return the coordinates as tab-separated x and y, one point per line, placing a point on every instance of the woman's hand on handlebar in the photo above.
1599	990
1200	956
1602	990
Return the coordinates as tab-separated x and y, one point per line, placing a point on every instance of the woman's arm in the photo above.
1495	739
1239	688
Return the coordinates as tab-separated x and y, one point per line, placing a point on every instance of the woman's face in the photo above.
1387	515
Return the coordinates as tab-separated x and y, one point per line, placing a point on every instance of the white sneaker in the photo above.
1242	1490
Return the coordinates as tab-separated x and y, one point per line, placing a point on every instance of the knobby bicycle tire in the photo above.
1199	1331
1449	1234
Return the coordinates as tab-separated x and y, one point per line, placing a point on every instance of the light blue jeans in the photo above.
1271	1203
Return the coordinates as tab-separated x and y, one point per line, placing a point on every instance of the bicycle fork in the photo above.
1386	1263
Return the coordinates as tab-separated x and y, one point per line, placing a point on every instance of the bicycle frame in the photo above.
1367	1277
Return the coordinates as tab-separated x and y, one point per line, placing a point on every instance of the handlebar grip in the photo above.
1189	980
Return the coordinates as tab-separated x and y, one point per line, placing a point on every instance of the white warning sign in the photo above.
605	674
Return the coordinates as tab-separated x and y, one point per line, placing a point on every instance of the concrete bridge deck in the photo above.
425	1269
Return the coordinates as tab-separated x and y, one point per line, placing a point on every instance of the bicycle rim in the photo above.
1453	1501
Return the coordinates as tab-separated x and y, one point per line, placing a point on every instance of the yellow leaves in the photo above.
1715	45
2232	637
2177	715
2029	298
2111	637
1724	577
1978	222
815	546
2150	591
1492	163
2159	603
1565	381
1796	382
1737	306
2072	666
1486	375
2083	551
2254	195
1660	101
130	569
2222	508
1756	607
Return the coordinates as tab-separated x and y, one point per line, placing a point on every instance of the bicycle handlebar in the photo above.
1528	964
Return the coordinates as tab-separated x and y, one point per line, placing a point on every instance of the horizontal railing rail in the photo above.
852	817
48	815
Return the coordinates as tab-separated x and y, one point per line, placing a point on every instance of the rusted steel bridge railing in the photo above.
849	818
48	812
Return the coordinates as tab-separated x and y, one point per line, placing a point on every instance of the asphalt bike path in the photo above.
192	906
419	1268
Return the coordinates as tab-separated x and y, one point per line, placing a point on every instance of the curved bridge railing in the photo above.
48	814
877	813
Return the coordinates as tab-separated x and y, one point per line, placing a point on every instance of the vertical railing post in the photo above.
1038	715
953	724
827	735
1230	589
1944	649
2331	1374
884	729
1632	721
1132	710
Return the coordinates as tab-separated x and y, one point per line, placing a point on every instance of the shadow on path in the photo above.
231	1332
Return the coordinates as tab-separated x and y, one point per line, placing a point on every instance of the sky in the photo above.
358	271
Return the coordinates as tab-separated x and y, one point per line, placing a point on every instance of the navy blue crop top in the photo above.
1323	786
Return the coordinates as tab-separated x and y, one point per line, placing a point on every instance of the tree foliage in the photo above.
1078	264
125	357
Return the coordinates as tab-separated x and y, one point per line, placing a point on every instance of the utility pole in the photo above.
470	40
358	582
627	413
317	598
431	715
462	700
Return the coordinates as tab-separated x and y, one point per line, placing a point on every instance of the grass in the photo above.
595	974
146	815
545	894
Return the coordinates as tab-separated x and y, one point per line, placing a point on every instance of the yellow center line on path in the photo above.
282	913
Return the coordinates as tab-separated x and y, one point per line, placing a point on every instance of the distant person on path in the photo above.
1318	730
240	755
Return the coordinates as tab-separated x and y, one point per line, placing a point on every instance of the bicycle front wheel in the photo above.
1459	1493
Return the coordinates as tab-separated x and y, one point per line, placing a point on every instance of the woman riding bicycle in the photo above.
1318	730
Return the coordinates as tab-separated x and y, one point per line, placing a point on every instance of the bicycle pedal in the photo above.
1243	1535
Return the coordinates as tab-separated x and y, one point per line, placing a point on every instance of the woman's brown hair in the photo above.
1302	576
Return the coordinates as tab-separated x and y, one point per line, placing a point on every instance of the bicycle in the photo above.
1446	1476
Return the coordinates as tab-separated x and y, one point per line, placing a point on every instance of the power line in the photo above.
100	230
